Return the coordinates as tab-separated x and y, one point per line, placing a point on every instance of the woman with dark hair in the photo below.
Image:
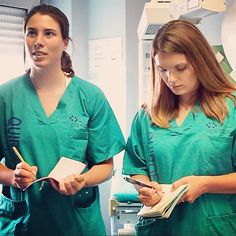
185	134
49	113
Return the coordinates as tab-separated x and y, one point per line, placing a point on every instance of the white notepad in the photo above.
64	167
164	208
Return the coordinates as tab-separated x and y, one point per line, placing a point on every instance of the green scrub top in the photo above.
199	146
83	127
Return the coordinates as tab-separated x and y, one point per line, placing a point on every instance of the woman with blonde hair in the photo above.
186	135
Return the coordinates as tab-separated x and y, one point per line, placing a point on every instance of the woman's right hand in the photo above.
23	175
150	196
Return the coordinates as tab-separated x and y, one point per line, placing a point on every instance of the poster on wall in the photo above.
106	70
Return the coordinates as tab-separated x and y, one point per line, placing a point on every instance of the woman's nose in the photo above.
172	77
38	42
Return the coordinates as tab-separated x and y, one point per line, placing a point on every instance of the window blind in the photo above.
11	42
11	25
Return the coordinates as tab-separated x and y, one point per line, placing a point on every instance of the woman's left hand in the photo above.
196	187
69	185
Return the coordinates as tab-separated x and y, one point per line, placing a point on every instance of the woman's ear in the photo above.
66	42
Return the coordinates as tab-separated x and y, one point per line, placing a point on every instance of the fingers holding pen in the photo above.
24	173
150	196
157	187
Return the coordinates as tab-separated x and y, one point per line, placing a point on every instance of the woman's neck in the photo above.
47	78
185	106
187	102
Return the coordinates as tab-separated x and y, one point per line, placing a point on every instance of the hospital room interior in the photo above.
111	48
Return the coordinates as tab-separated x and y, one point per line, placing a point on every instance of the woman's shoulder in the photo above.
231	105
231	101
142	116
85	86
91	95
9	85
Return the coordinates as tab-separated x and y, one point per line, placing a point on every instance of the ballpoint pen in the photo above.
18	154
133	181
20	157
141	184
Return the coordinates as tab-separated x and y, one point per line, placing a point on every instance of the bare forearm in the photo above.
225	184
99	173
6	175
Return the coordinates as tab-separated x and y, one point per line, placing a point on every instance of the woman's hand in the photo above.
23	175
196	187
150	196
69	185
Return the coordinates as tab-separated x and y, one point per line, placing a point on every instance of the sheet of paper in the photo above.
64	167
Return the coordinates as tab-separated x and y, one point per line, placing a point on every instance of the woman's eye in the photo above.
49	33
162	70
181	69
31	33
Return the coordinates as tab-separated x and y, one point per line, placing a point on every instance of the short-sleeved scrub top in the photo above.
83	127
199	146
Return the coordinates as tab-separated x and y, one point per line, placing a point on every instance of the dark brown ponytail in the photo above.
66	64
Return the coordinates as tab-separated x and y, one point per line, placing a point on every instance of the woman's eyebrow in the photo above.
30	28
49	29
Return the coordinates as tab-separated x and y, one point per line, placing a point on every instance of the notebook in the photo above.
164	208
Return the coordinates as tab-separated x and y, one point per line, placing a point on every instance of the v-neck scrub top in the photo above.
200	146
83	127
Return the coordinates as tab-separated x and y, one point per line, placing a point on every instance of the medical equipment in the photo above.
123	206
195	10
159	12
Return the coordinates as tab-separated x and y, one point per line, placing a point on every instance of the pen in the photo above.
141	184
133	181
20	157
18	154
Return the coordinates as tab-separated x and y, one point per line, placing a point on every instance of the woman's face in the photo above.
44	41
177	73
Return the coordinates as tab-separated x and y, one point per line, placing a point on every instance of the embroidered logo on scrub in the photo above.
211	125
13	131
78	122
74	121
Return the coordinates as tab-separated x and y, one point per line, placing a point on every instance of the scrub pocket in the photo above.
90	221
85	197
215	155
12	216
74	143
146	227
222	225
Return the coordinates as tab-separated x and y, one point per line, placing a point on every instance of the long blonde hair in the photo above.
181	36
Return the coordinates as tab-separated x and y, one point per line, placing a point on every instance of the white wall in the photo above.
106	19
134	11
